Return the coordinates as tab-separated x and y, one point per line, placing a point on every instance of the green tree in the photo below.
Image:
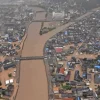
10	75
85	95
98	87
0	83
67	87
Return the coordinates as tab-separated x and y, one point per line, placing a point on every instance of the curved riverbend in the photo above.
33	81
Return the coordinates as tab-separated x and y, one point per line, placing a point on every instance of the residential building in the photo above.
58	15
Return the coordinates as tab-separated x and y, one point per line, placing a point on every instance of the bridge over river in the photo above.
47	20
30	58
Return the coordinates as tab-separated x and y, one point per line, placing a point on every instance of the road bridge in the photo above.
30	58
47	20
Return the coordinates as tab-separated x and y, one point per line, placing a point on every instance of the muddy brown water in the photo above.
33	81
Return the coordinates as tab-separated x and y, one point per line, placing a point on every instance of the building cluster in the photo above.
5	93
13	22
8	78
67	9
74	62
87	4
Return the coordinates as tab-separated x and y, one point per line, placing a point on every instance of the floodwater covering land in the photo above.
33	81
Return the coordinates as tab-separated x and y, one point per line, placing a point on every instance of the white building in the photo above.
7	82
58	15
11	81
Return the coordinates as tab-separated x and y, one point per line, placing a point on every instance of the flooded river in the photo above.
33	81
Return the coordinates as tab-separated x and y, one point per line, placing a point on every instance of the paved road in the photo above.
33	80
